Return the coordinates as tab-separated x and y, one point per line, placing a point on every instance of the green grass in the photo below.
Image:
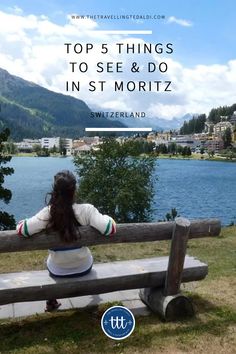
77	331
212	330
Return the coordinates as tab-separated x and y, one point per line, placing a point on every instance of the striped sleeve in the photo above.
89	215
22	228
110	228
33	225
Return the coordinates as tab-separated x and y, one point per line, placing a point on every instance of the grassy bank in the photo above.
32	154
196	157
160	156
213	330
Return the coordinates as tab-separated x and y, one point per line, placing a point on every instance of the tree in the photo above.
216	114
162	149
211	153
179	149
186	151
172	215
117	180
227	138
172	148
7	222
44	152
202	150
53	150
9	148
194	125
62	149
37	148
189	152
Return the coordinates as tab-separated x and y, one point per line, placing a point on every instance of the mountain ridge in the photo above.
156	123
31	110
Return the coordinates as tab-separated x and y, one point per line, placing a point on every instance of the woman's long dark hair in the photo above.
62	217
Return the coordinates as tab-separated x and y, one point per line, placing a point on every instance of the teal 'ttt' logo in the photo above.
118	322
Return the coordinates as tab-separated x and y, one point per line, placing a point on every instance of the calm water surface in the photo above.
197	189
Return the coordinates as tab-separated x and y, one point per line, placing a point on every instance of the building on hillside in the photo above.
186	140
223	118
151	137
221	127
208	128
201	136
160	141
215	145
233	119
163	136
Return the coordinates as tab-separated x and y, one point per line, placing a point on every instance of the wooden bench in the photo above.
159	278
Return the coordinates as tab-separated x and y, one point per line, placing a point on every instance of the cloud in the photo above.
15	9
32	47
179	21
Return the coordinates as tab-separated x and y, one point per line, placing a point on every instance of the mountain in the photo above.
156	123
30	110
175	122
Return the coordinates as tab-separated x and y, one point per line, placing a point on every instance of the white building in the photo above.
68	144
28	144
32	141
24	146
49	143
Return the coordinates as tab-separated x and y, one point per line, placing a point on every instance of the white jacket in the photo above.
69	260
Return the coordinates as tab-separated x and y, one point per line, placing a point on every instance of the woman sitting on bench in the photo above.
63	215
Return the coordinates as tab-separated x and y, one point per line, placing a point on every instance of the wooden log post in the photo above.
177	255
169	302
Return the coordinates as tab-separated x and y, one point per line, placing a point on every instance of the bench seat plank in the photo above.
103	278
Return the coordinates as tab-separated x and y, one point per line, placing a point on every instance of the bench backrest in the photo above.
140	232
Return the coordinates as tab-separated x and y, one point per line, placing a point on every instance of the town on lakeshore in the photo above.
217	139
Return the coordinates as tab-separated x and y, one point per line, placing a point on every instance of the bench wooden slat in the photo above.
141	232
104	277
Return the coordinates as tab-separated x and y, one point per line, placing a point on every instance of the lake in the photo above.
196	188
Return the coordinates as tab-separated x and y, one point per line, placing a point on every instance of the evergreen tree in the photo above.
53	150
194	125
189	152
216	113
172	148
186	151
7	222
62	149
179	149
162	149
227	138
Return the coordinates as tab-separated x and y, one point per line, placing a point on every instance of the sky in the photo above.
202	67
